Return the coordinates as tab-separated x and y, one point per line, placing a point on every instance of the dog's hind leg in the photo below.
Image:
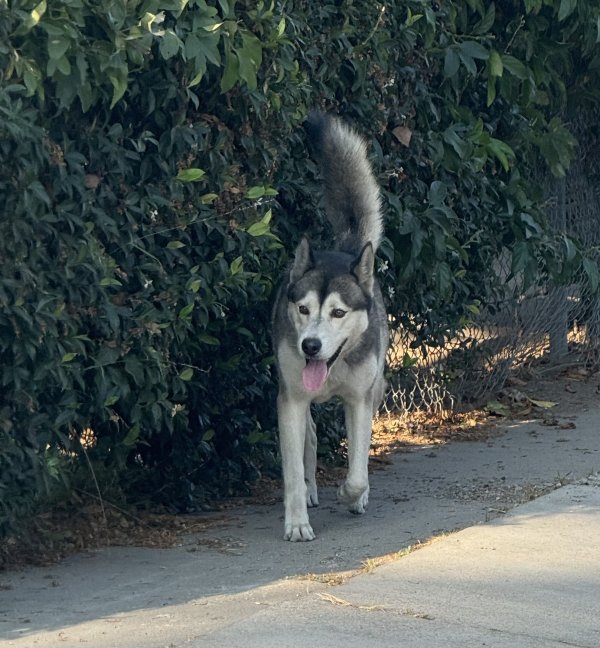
292	415
354	492
310	460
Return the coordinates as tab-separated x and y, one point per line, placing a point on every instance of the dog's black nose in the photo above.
311	346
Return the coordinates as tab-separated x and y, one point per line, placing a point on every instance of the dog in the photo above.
329	327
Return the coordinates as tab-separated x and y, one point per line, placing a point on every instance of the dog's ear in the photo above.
303	260
363	269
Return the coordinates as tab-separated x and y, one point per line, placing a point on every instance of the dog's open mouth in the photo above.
315	372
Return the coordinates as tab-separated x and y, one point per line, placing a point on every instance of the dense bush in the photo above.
148	151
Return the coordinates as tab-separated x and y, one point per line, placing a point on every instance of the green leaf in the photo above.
110	281
255	192
186	311
209	339
190	175
495	64
58	46
231	74
520	257
451	62
475	50
412	19
259	229
132	436
491	91
486	23
443	276
175	245
196	80
111	400
32	19
409	361
502	151
452	138
68	357
437	193
169	45
236	265
119	80
468	62
195	285
533	6
250	58
515	67
148	19
474	308
566	8
176	6
208	435
256	436
530	222
187	374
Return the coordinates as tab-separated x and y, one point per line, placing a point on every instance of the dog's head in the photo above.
329	297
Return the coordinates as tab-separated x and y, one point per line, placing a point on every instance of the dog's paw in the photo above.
299	532
355	498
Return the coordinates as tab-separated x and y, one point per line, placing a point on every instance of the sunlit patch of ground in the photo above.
401	433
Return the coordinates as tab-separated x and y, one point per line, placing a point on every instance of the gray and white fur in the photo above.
329	328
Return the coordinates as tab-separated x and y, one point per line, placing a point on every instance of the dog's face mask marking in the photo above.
324	330
328	308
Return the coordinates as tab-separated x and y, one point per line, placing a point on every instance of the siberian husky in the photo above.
329	328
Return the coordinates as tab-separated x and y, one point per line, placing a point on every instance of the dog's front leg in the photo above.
292	416
354	492
310	460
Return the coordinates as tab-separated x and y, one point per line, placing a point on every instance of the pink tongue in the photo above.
314	374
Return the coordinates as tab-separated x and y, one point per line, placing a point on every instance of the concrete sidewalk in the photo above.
517	574
530	579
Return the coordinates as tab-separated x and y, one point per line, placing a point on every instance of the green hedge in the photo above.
152	163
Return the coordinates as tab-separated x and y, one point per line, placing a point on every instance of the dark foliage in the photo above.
151	163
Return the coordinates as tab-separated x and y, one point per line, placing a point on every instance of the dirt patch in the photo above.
84	526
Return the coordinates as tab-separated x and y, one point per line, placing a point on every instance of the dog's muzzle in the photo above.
316	370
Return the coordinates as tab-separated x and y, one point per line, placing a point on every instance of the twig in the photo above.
512	38
375	28
114	506
99	492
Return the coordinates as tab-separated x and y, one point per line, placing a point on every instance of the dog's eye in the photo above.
338	313
303	309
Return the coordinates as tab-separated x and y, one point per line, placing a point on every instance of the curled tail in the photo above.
352	198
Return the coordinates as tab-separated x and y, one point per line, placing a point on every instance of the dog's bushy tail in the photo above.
352	197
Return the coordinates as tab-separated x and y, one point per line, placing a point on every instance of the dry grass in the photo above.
370	564
403	433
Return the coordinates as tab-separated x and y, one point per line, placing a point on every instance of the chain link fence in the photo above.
544	326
